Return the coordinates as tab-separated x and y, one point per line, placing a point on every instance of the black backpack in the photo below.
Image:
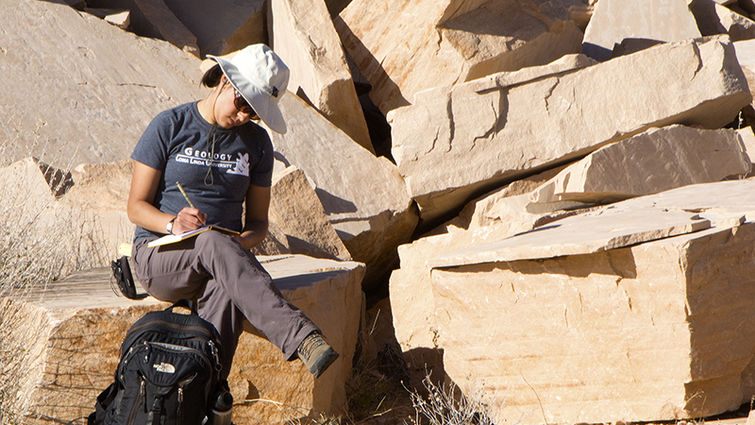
169	372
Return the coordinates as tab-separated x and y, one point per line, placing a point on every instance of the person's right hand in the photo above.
188	219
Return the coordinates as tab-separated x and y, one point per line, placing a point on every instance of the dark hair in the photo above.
211	78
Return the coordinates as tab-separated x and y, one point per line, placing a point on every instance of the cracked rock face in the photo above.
486	133
596	335
449	41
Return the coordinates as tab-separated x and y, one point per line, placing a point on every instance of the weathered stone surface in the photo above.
451	41
615	20
275	242
107	85
597	337
410	285
302	33
654	161
556	118
72	332
582	234
713	18
298	213
222	26
364	197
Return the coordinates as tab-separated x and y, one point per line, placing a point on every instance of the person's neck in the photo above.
206	107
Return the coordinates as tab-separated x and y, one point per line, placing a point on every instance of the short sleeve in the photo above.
152	147
262	175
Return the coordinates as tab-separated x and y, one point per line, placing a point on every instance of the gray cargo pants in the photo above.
231	285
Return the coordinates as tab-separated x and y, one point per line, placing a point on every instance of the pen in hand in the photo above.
184	194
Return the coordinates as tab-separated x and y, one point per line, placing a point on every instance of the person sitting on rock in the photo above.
198	164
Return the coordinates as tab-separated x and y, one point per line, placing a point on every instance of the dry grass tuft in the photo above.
39	243
443	405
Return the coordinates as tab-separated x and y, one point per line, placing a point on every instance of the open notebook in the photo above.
168	239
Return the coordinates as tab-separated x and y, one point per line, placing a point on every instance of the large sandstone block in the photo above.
598	336
222	26
405	46
66	343
302	33
364	197
410	286
653	161
107	84
616	20
556	118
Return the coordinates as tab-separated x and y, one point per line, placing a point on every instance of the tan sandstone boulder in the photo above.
364	197
101	86
593	329
405	46
654	161
67	340
302	33
616	20
553	119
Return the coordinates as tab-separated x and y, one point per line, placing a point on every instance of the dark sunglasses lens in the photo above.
240	104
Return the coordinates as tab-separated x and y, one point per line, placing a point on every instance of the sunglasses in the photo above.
241	104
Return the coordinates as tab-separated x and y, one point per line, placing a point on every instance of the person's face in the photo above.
231	110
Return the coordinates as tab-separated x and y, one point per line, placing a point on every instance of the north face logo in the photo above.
164	367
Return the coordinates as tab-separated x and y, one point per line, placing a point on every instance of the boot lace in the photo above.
309	344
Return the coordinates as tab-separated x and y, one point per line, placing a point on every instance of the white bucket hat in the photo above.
262	78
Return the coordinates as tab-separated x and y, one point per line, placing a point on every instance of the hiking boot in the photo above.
316	354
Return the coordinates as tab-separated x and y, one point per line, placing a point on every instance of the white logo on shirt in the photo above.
242	165
219	160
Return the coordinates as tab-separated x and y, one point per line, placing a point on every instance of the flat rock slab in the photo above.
615	20
488	134
107	84
597	337
66	340
583	234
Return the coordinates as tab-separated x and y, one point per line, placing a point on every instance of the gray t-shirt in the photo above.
179	143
